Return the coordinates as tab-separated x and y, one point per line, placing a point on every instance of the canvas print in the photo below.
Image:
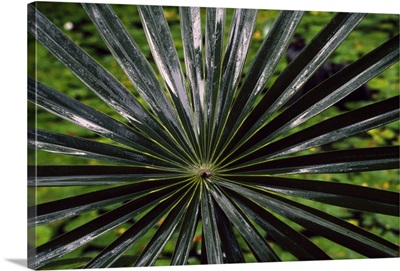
192	135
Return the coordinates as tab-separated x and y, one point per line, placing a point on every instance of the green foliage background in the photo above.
370	33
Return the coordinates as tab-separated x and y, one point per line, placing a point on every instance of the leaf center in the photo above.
205	173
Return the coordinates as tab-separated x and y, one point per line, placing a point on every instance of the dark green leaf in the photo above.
240	34
92	175
297	73
211	237
192	46
87	232
72	206
58	143
334	161
135	65
114	251
330	130
262	67
166	58
263	252
90	72
326	225
199	150
327	93
214	40
89	118
187	231
230	245
167	228
345	195
291	240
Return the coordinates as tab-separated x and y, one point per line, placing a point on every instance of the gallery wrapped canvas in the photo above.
210	135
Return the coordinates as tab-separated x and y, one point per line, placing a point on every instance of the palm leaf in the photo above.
202	155
298	72
326	94
212	242
92	175
262	68
242	28
327	225
165	55
261	249
335	162
293	241
88	70
163	234
87	117
72	206
135	66
230	243
187	231
339	194
214	38
110	254
87	232
330	130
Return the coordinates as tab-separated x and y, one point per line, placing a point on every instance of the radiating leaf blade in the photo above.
91	119
330	130
187	231
211	237
115	250
262	67
164	53
93	175
214	40
230	245
327	93
90	72
326	225
263	252
291	240
87	232
192	48
239	40
297	73
155	246
75	205
354	160
333	193
136	67
70	145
